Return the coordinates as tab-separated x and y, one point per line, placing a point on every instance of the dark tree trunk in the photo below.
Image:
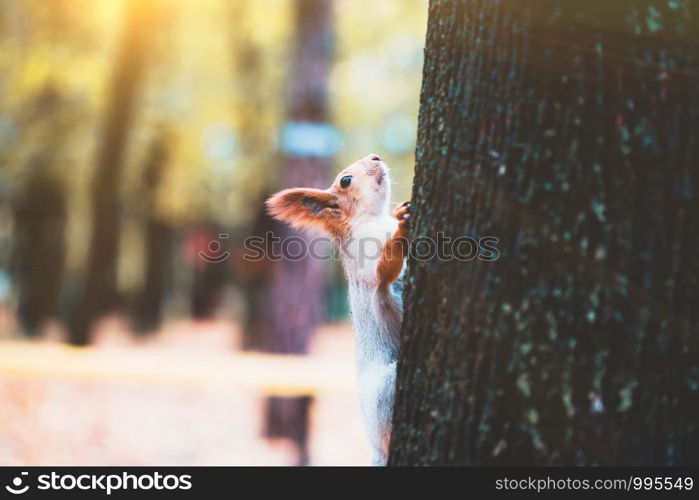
40	211
568	130
253	276
159	240
39	244
208	254
293	316
100	294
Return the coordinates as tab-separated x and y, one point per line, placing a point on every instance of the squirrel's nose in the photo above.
374	157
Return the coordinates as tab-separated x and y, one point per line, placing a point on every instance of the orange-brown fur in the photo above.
396	248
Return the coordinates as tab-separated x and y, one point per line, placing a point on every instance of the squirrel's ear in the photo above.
303	208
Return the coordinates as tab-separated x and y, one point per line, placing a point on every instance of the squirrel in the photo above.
354	211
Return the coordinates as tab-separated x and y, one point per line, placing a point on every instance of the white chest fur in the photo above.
376	318
376	311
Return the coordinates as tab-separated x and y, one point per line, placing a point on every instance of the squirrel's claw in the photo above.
402	213
401	210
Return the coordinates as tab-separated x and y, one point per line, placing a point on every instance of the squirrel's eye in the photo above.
345	181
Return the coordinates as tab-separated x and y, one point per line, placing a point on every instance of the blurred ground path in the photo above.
183	397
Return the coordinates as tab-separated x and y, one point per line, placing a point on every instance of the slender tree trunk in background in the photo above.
39	245
209	275
569	131
253	276
295	304
40	211
159	240
100	294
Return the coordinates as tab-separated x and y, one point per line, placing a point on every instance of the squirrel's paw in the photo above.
402	213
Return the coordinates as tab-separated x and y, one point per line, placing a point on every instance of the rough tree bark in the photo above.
569	131
100	293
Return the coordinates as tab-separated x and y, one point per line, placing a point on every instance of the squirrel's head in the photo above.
359	192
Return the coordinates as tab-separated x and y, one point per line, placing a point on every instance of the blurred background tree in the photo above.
40	217
101	295
158	238
308	143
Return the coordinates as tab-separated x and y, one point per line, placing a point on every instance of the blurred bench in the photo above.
272	375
